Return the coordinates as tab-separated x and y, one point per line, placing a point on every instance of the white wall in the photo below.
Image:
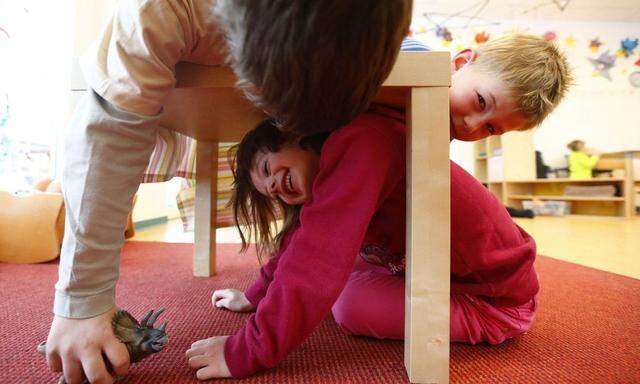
605	114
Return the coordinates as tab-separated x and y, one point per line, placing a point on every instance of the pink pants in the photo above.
372	304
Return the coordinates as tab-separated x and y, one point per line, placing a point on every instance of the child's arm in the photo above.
256	292
359	172
591	161
248	300
587	161
232	299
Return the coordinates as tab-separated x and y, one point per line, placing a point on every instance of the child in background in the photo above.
342	246
581	163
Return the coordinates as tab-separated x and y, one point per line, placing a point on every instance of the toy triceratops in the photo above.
141	339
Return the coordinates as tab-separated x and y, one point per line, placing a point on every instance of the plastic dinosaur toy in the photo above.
141	339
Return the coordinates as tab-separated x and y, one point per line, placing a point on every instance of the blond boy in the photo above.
507	84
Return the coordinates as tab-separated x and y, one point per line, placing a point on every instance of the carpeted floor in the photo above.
587	329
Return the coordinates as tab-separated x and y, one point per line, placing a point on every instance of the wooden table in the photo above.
206	106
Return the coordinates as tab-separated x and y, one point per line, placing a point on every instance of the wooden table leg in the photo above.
629	186
204	256
426	352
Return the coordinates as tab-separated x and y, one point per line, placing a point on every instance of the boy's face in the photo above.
479	102
287	174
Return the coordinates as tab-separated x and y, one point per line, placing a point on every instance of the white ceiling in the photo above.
574	10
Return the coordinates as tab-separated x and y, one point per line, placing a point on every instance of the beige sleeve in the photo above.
132	63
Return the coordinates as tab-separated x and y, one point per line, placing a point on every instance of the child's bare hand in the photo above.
207	357
232	299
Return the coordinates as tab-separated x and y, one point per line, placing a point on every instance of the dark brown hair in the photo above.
254	213
313	65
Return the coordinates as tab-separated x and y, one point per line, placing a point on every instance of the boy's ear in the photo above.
462	58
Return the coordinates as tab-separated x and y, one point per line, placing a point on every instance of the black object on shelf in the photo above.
514	212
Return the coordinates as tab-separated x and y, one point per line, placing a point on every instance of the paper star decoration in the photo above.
550	36
602	64
444	33
570	41
482	37
627	46
595	44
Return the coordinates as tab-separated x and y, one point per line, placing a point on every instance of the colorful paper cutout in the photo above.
482	37
603	64
595	44
627	46
444	33
570	41
550	36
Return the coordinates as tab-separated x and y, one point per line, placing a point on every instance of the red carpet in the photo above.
587	329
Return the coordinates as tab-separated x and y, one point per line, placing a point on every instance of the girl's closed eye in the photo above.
266	168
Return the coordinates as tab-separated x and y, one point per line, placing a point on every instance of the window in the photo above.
35	57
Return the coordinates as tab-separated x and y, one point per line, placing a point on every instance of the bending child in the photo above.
342	245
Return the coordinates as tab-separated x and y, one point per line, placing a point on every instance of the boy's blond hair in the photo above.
536	72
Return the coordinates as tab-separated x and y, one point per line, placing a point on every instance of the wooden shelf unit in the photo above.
507	157
516	181
553	189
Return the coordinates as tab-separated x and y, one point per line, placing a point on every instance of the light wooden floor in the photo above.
609	244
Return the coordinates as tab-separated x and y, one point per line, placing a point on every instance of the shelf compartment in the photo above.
569	181
565	198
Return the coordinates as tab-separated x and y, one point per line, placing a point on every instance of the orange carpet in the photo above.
587	329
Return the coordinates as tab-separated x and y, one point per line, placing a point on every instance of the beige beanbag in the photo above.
32	227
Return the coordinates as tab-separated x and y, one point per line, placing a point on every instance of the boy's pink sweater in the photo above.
360	193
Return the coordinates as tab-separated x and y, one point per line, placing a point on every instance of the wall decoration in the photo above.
550	36
463	19
561	4
482	37
595	44
602	64
634	79
627	46
637	63
570	41
444	33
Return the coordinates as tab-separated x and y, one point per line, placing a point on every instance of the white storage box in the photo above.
548	207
